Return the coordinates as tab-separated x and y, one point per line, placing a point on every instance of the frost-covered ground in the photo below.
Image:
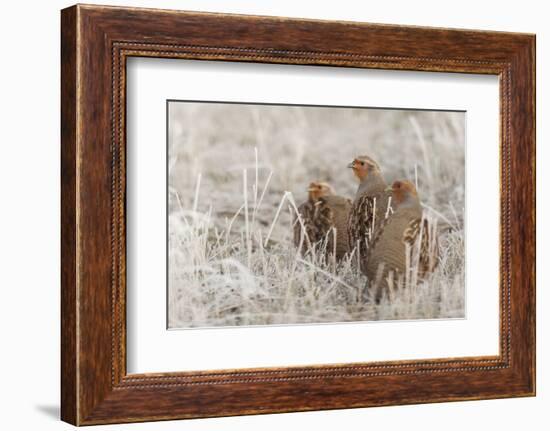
235	172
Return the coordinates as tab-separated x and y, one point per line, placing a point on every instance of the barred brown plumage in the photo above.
323	220
405	246
369	208
422	235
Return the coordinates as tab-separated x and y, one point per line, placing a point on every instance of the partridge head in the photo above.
317	190
363	167
404	194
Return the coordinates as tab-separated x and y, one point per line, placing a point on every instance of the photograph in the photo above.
295	213
299	214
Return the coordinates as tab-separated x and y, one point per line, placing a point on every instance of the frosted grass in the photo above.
236	175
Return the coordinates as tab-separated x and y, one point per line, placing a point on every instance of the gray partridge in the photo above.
405	247
370	206
324	217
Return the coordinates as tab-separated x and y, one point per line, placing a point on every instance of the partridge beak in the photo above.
311	189
351	165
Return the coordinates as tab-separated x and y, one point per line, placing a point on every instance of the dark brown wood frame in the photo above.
95	43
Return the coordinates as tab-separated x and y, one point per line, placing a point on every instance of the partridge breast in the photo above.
405	243
306	212
333	213
324	220
367	214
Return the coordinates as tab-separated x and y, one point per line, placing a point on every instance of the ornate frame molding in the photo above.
96	41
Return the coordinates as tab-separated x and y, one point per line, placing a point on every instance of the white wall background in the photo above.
29	215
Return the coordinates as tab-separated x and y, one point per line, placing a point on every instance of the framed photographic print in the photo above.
266	215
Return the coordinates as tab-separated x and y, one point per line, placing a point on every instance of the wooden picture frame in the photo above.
96	41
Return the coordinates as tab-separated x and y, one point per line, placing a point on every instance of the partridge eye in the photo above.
362	163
